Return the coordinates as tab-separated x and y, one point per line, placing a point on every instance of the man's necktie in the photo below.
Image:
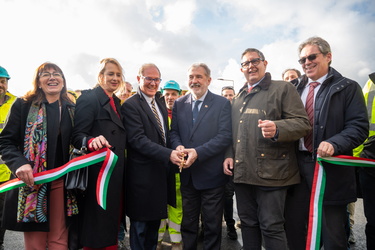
196	110
249	89
310	113
153	107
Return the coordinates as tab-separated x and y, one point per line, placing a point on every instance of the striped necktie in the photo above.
308	139
153	107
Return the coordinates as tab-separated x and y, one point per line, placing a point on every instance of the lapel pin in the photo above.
206	106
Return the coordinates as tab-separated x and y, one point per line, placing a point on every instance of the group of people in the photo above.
182	158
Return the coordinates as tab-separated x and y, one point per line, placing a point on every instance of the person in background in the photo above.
78	92
268	118
338	115
6	102
146	123
367	175
72	96
201	129
36	138
171	91
98	119
228	92
124	92
290	74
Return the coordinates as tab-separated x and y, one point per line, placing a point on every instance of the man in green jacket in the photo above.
268	118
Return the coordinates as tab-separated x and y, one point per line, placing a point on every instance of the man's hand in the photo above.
228	166
192	157
268	128
325	149
176	157
25	174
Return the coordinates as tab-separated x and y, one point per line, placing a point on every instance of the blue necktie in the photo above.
196	110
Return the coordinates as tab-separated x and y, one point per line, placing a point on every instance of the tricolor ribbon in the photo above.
106	155
317	194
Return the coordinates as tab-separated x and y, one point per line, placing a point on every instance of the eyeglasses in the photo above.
49	75
150	79
311	57
254	62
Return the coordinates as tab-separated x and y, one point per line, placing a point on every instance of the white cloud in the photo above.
174	34
179	15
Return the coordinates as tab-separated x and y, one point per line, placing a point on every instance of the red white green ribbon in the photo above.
316	204
104	154
103	179
317	194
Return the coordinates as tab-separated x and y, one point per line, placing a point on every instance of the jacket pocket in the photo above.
273	163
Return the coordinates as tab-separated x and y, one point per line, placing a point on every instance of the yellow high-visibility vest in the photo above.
369	94
4	113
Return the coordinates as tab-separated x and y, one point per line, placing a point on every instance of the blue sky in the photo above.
174	34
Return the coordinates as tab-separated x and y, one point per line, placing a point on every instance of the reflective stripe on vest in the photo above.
371	109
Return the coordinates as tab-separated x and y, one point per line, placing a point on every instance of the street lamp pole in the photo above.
229	80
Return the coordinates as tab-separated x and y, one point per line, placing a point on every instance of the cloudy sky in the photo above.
174	34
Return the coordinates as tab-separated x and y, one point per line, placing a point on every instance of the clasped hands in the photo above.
183	157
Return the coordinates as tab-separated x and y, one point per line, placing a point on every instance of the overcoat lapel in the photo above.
104	102
147	109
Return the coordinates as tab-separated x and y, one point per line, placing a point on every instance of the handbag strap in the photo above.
84	147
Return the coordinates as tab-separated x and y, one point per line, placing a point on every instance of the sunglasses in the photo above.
311	57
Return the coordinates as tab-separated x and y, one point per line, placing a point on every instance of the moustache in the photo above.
194	85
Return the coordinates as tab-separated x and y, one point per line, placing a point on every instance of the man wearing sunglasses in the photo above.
337	113
268	118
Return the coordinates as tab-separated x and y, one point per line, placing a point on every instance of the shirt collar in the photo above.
320	80
201	99
147	98
248	85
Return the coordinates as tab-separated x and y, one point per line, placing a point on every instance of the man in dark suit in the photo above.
340	123
146	124
201	128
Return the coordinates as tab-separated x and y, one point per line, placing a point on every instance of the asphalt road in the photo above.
14	240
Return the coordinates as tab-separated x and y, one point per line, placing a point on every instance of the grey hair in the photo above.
322	45
204	66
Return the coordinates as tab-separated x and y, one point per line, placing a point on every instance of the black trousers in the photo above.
144	234
210	202
367	182
261	211
334	217
228	203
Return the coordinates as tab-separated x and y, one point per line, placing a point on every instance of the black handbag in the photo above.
77	179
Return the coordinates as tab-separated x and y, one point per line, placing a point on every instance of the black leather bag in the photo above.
77	179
